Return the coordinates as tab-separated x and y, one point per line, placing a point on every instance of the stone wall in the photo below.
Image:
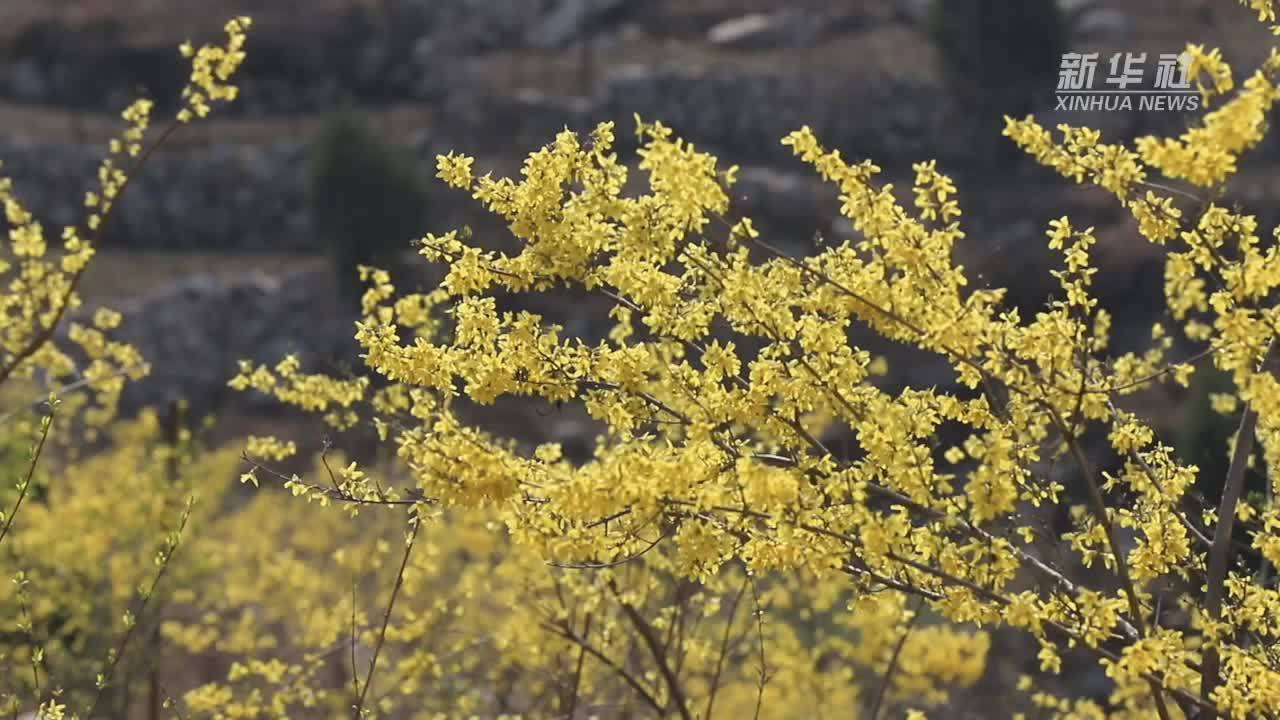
213	197
194	332
242	196
745	113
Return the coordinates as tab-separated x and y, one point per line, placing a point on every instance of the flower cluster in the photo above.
759	526
732	363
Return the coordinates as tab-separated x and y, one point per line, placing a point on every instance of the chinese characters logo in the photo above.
1123	83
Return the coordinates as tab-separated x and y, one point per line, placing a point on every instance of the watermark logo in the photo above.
1123	83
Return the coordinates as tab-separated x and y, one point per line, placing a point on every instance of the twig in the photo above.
413	495
45	334
355	672
70	387
173	702
1148	378
612	563
1122	565
724	647
627	677
1171	189
46	424
656	650
169	552
764	667
386	617
31	639
1218	553
577	672
893	659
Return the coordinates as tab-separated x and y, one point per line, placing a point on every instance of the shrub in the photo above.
712	557
76	553
366	197
717	451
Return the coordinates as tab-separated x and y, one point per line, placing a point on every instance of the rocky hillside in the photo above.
499	78
496	78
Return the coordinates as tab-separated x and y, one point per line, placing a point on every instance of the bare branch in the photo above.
893	659
659	654
386	617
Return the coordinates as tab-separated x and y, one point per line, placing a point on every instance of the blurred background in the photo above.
238	238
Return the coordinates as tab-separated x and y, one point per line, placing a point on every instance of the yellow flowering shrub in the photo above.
713	556
145	581
86	558
731	360
259	613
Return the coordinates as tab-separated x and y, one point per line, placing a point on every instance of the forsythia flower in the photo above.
758	521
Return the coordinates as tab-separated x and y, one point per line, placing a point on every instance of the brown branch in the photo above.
1099	505
118	653
612	563
355	671
893	660
1155	375
627	677
656	650
967	584
386	618
764	665
413	497
31	639
577	672
1151	475
46	423
1072	638
1219	552
889	314
724	648
69	388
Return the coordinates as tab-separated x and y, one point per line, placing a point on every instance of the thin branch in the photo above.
627	677
724	647
657	651
413	497
764	666
577	671
173	702
69	388
46	425
386	617
1099	505
1219	552
887	679
105	678
612	563
887	313
1073	639
31	640
1186	522
355	672
1171	189
1155	375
